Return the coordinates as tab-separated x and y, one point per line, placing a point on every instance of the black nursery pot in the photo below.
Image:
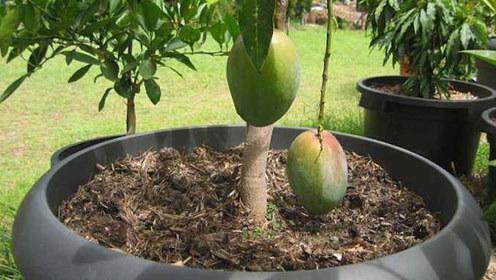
489	126
44	248
446	132
68	151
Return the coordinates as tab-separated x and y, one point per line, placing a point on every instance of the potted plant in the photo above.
426	111
126	41
54	251
486	71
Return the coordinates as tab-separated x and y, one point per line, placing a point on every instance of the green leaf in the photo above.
124	87
232	26
148	68
31	17
81	57
492	163
491	4
485	55
12	88
110	69
189	35
101	104
8	26
182	58
490	213
153	91
218	31
466	35
150	14
79	73
36	58
256	20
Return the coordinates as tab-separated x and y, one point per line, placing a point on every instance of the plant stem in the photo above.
131	116
325	74
131	108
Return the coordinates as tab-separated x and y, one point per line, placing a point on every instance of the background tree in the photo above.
427	37
126	40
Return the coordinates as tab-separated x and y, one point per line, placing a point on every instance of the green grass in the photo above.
47	113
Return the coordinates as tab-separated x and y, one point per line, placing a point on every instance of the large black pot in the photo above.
486	71
446	132
489	126
67	151
44	248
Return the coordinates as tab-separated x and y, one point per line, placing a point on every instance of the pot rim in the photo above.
489	126
40	191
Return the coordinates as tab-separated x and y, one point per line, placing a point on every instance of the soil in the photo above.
184	209
454	95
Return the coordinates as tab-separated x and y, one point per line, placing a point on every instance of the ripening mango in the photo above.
263	97
318	176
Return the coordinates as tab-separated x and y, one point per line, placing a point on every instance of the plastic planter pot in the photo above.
45	249
67	151
489	126
486	71
446	132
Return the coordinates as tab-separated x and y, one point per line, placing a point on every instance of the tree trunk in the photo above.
281	15
253	184
405	67
131	116
253	189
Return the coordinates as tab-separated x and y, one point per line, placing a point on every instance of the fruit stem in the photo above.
325	74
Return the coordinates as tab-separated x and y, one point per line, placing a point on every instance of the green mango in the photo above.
263	97
318	174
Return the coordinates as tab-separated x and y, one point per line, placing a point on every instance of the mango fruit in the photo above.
318	174
263	97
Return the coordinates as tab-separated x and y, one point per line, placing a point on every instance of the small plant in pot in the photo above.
234	214
124	41
425	110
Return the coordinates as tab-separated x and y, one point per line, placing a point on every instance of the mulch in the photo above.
184	209
454	95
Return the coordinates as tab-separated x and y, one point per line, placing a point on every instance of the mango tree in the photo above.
263	73
125	40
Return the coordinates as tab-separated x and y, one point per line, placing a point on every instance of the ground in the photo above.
46	113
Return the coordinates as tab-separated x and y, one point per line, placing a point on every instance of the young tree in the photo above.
261	97
126	40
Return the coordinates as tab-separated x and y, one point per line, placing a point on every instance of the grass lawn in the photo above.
47	113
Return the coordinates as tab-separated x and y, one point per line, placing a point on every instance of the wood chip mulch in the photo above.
454	95
184	209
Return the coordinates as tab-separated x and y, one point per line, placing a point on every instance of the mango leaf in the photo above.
8	26
485	55
153	91
101	104
148	68
12	88
466	35
256	22
491	4
490	213
110	69
79	73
